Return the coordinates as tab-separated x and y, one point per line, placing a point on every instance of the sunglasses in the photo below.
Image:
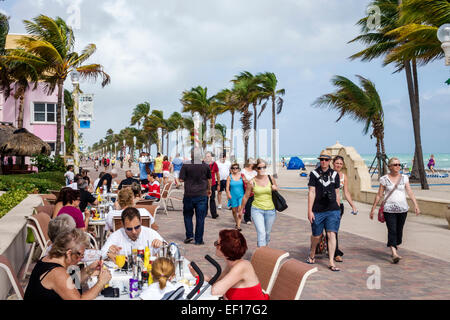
322	159
216	243
135	228
261	168
235	168
396	165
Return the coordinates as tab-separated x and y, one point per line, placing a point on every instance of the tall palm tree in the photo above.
197	100
156	120
361	104
221	130
175	122
269	84
140	113
68	128
53	41
255	95
381	43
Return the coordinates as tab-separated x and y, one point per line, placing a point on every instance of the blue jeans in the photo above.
200	205
263	220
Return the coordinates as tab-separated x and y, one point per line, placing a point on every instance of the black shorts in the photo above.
223	185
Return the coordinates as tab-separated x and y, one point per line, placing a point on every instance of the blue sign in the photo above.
85	124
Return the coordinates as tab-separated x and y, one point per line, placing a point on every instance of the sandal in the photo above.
237	228
338	259
395	260
333	268
310	260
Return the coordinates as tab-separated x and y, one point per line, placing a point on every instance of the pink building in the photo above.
39	115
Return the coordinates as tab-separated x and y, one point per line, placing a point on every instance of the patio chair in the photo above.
266	262
117	222
92	243
174	194
291	280
46	209
54	192
152	209
38	224
6	266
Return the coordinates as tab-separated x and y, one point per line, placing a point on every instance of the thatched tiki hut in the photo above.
20	143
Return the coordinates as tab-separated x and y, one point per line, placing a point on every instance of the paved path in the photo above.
423	273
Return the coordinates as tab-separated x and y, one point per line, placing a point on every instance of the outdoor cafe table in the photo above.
100	226
121	276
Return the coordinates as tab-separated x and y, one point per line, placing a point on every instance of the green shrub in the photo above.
46	163
32	183
11	199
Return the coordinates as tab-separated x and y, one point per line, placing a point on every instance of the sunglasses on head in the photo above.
135	228
261	168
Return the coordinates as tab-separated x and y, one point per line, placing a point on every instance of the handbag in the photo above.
381	209
278	200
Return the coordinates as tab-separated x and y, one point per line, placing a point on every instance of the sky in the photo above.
154	50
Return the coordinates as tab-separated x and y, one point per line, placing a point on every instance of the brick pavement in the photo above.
416	276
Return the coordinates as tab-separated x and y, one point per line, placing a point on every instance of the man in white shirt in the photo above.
69	175
132	235
224	171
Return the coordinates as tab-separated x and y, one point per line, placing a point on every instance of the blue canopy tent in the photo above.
295	163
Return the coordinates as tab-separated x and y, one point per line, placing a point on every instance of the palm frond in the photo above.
93	71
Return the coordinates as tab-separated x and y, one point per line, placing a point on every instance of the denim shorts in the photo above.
330	220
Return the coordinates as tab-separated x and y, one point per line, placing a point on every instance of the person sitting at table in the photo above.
85	196
153	188
128	181
50	280
163	271
125	199
238	281
71	207
59	225
132	235
108	177
60	200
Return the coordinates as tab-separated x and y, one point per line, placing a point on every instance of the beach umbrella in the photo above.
23	143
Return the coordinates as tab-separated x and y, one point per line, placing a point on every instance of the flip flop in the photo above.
333	268
338	259
310	260
395	260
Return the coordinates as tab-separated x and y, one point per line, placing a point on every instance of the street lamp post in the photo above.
134	146
443	35
75	76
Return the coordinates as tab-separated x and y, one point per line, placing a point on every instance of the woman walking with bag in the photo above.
235	192
263	210
394	207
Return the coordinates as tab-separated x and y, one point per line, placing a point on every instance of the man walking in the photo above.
177	163
224	172
214	185
324	207
197	188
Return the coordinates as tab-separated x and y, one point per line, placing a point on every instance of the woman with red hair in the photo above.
238	281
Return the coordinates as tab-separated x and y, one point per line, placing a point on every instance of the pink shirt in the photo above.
75	213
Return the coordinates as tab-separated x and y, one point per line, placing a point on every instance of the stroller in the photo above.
178	293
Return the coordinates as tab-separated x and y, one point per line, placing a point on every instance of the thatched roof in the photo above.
20	142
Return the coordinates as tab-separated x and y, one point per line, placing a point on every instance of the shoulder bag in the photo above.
381	210
278	200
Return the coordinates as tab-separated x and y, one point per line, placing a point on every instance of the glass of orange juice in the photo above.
120	260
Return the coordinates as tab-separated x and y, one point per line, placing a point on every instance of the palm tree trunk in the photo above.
246	125
167	145
202	135
255	147
415	113
274	142
58	117
232	137
213	133
21	99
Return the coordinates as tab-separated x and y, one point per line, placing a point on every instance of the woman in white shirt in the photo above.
125	199
396	206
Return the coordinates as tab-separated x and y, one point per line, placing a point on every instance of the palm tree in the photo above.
361	104
382	43
154	121
228	100
52	41
221	129
269	84
4	72
175	122
197	100
68	128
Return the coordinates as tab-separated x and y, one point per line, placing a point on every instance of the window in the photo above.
44	112
52	145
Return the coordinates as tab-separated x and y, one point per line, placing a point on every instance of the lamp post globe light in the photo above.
75	77
443	35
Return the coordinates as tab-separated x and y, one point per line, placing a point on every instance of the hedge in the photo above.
11	199
32	183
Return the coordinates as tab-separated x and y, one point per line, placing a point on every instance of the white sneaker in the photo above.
219	207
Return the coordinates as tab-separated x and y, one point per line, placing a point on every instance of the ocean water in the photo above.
442	159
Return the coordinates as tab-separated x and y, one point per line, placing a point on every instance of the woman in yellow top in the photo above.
159	166
263	209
